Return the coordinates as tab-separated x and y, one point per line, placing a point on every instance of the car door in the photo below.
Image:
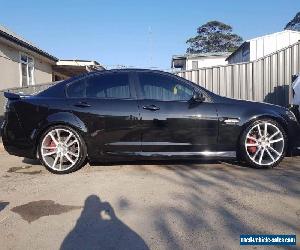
172	124
107	104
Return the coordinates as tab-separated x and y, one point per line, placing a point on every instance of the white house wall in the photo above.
10	67
42	72
206	62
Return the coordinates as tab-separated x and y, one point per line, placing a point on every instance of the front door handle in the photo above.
82	105
151	107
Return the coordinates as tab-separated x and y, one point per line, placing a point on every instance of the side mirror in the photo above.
198	97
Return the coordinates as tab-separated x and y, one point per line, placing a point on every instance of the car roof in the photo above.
116	71
61	85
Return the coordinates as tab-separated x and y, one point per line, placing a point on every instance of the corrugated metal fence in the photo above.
267	79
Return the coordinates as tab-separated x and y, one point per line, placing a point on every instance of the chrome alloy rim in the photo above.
264	144
60	149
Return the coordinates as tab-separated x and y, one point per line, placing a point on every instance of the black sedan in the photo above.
142	114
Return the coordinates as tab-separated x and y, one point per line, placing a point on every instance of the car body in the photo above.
131	114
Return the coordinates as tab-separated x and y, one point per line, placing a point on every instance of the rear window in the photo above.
101	86
108	86
55	91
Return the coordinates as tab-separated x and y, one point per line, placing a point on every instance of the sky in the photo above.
135	33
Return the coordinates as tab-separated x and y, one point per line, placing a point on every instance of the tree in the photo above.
214	36
294	24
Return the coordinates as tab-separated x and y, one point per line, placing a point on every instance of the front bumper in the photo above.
293	138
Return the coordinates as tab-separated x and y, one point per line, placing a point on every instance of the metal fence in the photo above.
267	79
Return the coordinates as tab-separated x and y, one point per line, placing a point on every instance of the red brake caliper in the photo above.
51	144
252	149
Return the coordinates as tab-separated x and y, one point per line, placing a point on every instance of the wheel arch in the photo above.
62	118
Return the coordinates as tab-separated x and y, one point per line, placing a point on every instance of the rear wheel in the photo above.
263	144
62	150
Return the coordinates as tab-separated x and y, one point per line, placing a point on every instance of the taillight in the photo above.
6	104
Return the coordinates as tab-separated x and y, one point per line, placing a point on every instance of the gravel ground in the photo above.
166	205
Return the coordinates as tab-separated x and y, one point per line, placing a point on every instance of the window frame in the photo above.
130	82
27	69
181	81
195	64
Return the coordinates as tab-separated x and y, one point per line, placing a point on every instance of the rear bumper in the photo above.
14	142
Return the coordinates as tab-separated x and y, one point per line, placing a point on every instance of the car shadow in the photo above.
170	163
98	227
31	161
181	163
279	95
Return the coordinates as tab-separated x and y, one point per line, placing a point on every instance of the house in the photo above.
67	68
256	48
23	64
201	60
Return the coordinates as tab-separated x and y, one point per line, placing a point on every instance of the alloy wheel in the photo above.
264	143
60	149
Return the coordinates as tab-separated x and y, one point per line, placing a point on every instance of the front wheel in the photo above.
263	144
62	150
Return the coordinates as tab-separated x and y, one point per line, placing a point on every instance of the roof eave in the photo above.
28	46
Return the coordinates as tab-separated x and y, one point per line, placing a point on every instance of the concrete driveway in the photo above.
173	205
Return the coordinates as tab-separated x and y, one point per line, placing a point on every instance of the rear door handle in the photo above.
82	105
151	107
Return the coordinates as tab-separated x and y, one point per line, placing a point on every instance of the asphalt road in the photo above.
170	205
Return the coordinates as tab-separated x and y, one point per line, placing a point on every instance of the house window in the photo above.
56	77
27	69
194	64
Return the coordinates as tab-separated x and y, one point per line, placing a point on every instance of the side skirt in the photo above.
206	154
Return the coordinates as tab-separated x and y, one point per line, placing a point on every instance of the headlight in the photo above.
291	115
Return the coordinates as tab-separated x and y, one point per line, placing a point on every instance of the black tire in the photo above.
245	156
82	159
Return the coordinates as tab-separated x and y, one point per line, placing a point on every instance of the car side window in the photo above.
108	86
76	89
164	88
